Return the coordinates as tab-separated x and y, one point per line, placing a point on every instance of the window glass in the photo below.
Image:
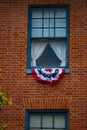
59	129
59	122
60	13
37	14
48	58
34	129
47	121
51	23
35	121
46	14
36	22
60	22
45	32
60	32
51	13
46	23
36	32
51	32
47	129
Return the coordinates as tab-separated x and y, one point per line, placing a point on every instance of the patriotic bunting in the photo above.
48	76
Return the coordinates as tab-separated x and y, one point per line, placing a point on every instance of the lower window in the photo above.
46	120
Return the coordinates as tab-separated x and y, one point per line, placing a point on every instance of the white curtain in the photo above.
36	51
60	50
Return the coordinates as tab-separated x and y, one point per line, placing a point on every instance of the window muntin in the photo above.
47	120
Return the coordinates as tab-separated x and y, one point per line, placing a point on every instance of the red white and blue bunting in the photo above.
48	76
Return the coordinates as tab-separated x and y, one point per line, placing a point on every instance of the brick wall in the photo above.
70	93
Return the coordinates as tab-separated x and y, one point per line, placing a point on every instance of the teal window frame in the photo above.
65	7
41	113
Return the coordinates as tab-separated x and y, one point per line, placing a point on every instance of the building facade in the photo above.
37	106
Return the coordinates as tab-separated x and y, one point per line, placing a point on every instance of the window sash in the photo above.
44	23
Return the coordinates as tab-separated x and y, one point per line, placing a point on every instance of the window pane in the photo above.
47	121
45	32
47	129
59	129
51	23
36	22
35	121
60	32
60	14
51	14
59	122
51	32
46	22
34	129
36	32
60	22
36	14
46	14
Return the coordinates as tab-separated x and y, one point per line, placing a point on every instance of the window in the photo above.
46	120
48	37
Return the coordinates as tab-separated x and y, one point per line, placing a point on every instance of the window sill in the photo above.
67	70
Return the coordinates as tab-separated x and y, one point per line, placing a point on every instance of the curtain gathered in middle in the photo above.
58	47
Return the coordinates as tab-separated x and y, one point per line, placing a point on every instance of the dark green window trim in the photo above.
28	71
41	113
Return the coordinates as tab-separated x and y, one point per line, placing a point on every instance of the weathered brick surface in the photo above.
70	93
